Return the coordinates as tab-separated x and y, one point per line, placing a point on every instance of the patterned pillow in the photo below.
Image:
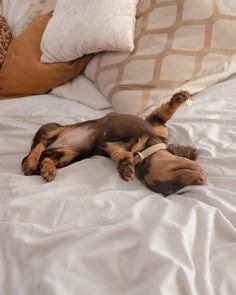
179	44
5	38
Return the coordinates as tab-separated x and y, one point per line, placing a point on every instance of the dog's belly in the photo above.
73	138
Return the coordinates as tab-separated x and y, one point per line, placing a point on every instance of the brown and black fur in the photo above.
119	137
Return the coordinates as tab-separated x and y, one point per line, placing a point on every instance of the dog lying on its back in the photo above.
135	145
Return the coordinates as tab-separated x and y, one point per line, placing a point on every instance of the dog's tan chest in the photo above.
73	138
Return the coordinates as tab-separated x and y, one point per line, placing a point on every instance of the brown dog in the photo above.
135	145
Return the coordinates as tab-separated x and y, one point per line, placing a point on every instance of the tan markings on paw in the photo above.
126	169
161	131
180	97
29	165
140	144
123	159
48	169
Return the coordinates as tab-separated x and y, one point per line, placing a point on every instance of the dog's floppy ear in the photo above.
185	151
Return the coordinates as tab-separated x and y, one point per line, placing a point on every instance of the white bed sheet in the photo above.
90	233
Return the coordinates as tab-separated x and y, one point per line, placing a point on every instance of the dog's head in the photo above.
166	173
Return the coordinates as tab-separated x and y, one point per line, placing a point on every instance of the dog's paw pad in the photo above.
29	166
126	169
48	171
48	175
180	97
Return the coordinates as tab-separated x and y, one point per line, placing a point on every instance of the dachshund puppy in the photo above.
137	146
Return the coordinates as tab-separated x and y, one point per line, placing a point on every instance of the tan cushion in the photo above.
178	45
5	38
22	72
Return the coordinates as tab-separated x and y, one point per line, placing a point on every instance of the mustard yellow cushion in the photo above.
23	74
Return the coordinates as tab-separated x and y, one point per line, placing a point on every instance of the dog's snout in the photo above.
201	179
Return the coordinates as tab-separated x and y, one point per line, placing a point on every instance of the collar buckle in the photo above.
138	158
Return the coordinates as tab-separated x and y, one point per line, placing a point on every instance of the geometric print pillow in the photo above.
179	44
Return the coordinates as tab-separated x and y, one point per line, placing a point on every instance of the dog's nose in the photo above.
201	180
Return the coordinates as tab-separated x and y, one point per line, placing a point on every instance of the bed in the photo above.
88	232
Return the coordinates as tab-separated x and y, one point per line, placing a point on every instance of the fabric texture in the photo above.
5	38
36	9
88	232
14	11
22	72
81	27
84	91
21	13
178	45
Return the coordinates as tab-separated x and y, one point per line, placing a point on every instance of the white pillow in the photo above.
19	14
14	12
84	91
81	27
230	4
36	9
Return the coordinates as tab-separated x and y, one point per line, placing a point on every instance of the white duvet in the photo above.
90	233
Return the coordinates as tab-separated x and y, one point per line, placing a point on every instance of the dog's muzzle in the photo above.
140	156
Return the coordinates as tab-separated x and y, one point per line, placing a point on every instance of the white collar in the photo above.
138	159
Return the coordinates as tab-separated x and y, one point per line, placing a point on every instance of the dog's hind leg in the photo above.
162	114
46	133
48	169
56	158
123	159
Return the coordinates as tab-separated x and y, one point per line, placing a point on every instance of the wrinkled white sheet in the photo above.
90	233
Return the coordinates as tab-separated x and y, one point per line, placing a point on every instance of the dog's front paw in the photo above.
180	97
29	165
48	169
126	169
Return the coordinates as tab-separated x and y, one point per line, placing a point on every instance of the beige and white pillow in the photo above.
178	45
81	27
